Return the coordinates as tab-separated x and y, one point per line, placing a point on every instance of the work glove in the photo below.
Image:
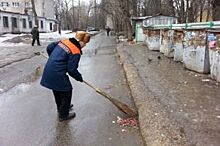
79	78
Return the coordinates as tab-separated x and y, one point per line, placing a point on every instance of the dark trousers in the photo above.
38	42
63	101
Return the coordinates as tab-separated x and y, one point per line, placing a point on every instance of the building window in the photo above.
4	4
51	26
27	4
30	24
15	4
42	24
5	21
14	22
24	23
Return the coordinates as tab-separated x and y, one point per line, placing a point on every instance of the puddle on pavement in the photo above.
23	83
21	88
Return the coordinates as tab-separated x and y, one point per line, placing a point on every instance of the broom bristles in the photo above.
121	106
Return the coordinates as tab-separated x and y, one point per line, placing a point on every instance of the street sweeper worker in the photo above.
64	57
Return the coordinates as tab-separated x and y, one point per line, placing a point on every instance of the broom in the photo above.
121	106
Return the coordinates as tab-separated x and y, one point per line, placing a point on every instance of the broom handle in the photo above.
90	85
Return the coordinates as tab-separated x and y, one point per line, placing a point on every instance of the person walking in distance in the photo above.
64	57
35	35
108	31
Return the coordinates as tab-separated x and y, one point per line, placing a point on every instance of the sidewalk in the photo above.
176	107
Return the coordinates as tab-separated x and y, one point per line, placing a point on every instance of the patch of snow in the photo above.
8	36
17	90
56	35
12	44
44	37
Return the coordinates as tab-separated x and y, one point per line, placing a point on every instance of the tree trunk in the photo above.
128	22
183	18
136	11
129	29
73	26
201	13
34	12
187	11
208	11
171	7
216	10
79	15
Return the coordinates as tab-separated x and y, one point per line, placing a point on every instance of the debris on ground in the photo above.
149	59
205	80
132	122
131	42
122	38
123	130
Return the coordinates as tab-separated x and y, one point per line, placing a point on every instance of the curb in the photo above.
156	126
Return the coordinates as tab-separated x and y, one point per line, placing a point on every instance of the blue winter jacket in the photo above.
60	63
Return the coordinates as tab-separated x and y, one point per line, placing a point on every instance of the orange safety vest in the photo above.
69	47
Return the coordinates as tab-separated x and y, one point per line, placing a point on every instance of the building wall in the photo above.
49	24
12	7
22	28
44	8
21	21
49	9
2	28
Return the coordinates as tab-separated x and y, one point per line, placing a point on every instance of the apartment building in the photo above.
16	16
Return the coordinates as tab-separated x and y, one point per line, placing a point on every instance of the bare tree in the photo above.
88	11
216	10
58	6
121	12
209	8
34	12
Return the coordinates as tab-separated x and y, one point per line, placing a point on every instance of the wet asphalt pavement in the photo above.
29	117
